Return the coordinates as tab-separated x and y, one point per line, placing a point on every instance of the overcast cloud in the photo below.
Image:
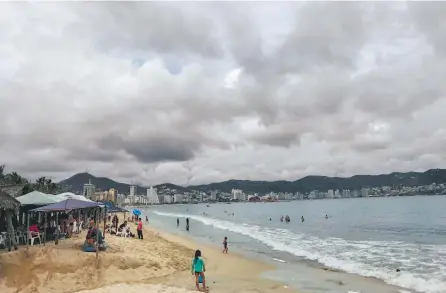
192	93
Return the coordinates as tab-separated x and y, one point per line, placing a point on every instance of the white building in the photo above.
346	193
89	190
200	196
330	193
152	196
273	196
129	200
314	194
237	194
213	196
167	199
365	192
337	194
133	190
177	198
299	196
120	199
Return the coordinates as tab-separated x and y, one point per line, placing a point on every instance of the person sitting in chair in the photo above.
90	240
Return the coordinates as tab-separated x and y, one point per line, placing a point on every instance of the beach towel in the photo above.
89	249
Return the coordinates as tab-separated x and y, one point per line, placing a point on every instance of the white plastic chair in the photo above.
79	227
74	227
2	240
32	236
19	235
124	232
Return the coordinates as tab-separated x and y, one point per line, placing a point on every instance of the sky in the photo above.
194	93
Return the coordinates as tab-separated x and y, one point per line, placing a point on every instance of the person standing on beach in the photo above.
187	224
198	269
115	221
225	245
139	229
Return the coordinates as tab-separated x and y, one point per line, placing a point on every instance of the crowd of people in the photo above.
124	228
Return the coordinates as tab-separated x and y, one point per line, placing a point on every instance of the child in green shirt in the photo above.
198	268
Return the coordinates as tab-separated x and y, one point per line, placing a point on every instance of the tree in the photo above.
2	170
42	184
16	178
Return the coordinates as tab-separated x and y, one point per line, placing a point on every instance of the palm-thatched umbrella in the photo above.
10	206
8	202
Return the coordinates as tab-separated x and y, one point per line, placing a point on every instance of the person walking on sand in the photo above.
225	245
139	229
198	268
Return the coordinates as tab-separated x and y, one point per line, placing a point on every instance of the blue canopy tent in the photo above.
64	206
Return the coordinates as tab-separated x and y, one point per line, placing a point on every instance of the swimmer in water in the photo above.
302	219
326	217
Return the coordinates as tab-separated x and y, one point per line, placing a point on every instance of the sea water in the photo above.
370	237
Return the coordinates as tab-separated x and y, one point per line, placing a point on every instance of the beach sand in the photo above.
159	263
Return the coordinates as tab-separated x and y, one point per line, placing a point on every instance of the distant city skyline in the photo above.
255	91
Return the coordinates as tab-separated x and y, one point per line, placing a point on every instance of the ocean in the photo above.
370	237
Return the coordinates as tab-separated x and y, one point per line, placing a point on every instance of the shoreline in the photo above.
225	272
303	275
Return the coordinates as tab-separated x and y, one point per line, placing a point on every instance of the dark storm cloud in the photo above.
278	138
157	147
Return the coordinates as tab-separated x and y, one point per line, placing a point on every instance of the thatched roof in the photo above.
8	202
14	190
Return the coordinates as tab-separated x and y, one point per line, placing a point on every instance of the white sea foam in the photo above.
423	267
279	260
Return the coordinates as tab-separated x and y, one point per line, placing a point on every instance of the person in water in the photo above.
187	224
225	245
326	217
302	219
178	222
198	268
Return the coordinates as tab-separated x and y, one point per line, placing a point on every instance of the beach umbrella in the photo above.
136	212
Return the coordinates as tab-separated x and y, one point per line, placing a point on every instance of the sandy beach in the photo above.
159	263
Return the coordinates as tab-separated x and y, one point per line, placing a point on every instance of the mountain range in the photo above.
305	184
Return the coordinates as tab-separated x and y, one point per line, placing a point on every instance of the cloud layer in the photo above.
192	93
